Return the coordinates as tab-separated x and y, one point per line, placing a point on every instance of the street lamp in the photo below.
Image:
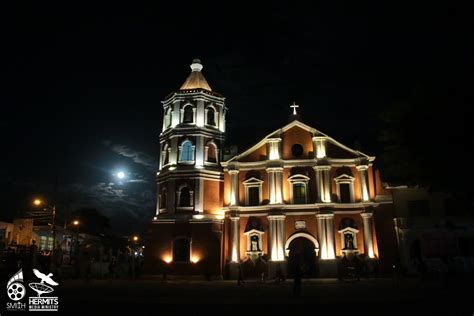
39	202
134	241
75	223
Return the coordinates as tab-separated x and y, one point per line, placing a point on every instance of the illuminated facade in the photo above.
296	197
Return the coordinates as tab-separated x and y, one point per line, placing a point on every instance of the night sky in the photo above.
84	84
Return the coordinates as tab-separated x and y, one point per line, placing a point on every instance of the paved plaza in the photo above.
77	295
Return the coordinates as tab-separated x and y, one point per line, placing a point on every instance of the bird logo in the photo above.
42	288
45	278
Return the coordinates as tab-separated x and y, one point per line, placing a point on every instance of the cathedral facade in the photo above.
298	199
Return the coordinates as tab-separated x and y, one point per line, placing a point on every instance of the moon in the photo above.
120	174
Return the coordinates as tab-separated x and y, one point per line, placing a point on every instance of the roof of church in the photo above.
195	79
308	128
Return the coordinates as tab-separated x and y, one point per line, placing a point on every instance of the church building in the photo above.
296	199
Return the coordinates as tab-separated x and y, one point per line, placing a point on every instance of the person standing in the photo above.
240	278
297	280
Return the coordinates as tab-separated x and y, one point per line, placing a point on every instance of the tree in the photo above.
91	221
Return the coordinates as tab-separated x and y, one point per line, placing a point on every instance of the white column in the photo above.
368	241
329	219
278	185
234	187
280	238
175	114
319	146
174	151
199	152
327	185
322	236
199	196
364	189
276	237
200	117
235	241
319	184
271	186
272	239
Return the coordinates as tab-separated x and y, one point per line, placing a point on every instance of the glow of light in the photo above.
135	238
220	216
120	175
167	259
371	253
274	154
234	254
75	223
195	259
37	202
155	218
198	216
136	253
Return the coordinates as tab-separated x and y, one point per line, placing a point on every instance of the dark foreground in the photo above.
150	296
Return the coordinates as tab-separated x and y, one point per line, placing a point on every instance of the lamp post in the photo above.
134	241
75	223
39	202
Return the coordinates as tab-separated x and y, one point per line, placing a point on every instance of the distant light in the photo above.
167	259
76	222
37	202
198	216
135	238
155	218
136	253
120	174
195	259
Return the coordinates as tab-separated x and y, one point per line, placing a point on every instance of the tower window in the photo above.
299	193
211	153
210	120
188	116
187	152
185	197
181	250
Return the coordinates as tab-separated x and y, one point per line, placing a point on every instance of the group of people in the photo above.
279	277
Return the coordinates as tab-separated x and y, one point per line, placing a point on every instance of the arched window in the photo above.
181	250
187	151
185	197
298	188
211	152
188	115
211	119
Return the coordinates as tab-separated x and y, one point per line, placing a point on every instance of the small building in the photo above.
433	230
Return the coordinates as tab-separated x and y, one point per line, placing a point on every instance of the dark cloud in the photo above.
138	157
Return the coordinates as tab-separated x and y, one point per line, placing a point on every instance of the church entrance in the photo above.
302	254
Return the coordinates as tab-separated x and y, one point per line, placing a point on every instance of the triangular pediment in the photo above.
335	149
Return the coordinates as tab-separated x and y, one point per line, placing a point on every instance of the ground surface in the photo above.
146	296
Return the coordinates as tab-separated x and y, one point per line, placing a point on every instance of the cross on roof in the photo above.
294	106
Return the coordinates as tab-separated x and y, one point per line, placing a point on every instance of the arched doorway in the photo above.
302	253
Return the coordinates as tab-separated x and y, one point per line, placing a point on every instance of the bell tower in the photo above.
191	148
186	234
